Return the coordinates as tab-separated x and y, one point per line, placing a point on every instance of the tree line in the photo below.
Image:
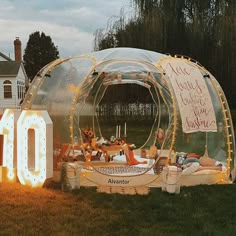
204	30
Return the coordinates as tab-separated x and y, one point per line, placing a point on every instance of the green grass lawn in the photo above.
199	210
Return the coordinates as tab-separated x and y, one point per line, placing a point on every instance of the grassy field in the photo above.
200	210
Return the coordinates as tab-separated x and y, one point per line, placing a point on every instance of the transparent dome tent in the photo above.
128	95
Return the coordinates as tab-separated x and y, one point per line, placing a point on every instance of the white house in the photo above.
13	79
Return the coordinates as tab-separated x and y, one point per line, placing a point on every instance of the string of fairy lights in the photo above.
37	82
228	124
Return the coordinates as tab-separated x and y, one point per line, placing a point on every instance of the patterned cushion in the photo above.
191	169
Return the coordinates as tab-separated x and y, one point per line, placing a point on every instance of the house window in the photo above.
7	87
20	89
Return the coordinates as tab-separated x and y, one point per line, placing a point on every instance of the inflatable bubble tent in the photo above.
131	94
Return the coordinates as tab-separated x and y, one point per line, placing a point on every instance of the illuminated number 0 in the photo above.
38	121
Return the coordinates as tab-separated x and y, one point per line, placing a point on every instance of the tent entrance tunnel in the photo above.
127	100
126	107
129	95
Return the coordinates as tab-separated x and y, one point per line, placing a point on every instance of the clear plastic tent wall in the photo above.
100	92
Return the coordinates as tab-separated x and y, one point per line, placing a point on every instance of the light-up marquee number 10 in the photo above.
15	127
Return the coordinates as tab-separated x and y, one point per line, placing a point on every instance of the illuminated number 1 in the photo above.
7	129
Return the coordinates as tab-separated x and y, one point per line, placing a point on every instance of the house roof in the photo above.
9	68
6	57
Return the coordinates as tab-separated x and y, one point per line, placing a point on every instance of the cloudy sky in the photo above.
70	23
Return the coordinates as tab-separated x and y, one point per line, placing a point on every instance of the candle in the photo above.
116	131
125	130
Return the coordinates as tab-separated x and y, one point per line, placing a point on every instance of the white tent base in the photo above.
140	184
